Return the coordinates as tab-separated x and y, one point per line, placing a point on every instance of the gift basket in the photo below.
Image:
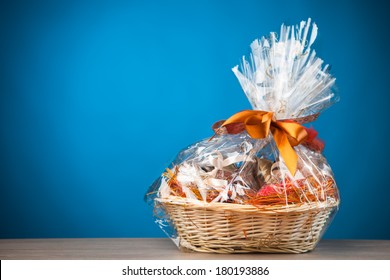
260	183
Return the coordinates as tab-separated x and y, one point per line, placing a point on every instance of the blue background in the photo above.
97	97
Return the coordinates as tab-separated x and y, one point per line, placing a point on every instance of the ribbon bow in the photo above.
258	124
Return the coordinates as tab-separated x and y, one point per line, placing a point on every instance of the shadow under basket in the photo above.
237	228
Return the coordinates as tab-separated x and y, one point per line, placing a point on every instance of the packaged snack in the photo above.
261	183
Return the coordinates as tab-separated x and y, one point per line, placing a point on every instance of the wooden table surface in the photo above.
160	248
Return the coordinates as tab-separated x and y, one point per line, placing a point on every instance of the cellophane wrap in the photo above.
284	76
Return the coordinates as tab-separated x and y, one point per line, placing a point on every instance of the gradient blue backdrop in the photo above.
97	97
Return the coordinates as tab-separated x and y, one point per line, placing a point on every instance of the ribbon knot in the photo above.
258	124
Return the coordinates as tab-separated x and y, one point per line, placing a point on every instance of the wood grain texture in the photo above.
160	248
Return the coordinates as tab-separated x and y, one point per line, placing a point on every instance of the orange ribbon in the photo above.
258	124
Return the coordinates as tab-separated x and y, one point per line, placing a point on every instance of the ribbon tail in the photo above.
286	151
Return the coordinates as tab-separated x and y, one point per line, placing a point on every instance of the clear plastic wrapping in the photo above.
286	85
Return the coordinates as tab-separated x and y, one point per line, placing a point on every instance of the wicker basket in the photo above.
236	228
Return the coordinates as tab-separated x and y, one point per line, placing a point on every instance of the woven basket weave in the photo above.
236	228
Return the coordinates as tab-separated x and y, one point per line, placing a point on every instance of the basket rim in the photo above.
220	206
